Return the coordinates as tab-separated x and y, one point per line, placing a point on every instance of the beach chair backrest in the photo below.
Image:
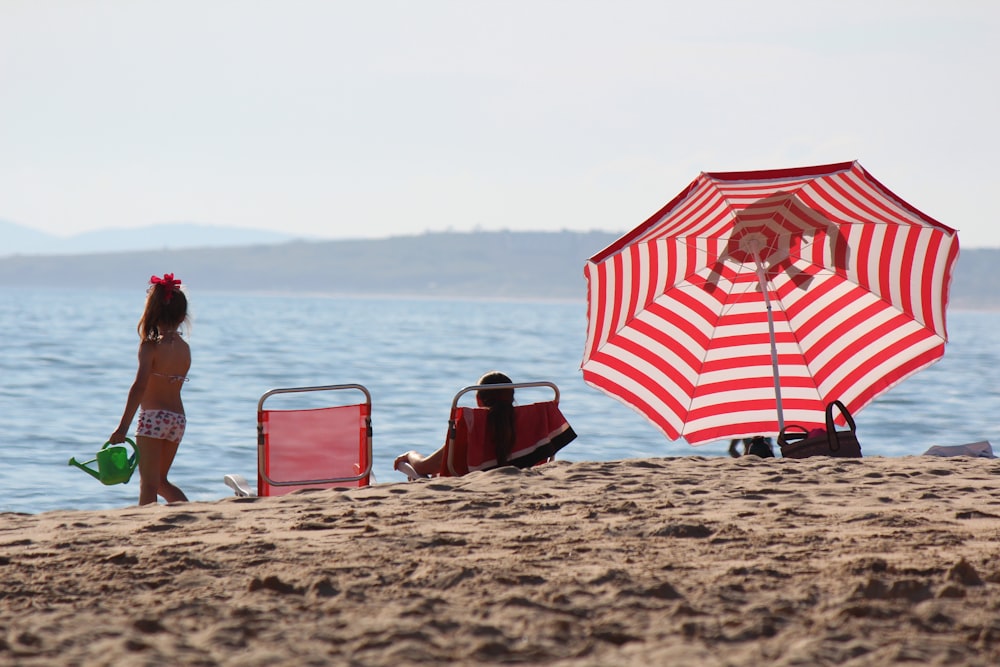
540	430
314	447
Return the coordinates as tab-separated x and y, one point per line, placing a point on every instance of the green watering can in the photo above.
114	466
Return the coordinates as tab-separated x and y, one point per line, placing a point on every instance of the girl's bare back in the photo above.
170	360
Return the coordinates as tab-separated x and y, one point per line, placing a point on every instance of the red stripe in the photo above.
746	429
767	174
655	269
672	372
907	268
685	356
748	361
842	310
688	327
598	293
862	268
739	341
821	200
883	206
702	312
754	405
750	318
900	371
903	371
762	360
790	284
669	401
616	305
641	229
707	210
844	185
631	289
885	250
889	194
752	383
929	263
886	353
650	412
709	411
671	267
946	287
857	323
798	279
840	254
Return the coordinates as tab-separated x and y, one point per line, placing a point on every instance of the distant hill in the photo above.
18	240
976	283
477	264
545	265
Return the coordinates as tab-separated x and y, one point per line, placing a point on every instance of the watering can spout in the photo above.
114	465
83	467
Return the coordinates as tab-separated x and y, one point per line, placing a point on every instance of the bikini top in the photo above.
169	338
172	378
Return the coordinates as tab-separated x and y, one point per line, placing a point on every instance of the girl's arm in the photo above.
423	465
135	394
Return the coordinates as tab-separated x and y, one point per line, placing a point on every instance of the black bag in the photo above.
797	445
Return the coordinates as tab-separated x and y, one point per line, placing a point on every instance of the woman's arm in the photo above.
424	465
135	394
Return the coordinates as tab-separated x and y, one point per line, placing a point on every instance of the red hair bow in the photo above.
168	282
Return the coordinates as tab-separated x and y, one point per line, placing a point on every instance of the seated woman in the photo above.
499	424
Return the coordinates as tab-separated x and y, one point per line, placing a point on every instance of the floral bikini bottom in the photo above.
161	424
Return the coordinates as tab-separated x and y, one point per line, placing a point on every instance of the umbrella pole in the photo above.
762	279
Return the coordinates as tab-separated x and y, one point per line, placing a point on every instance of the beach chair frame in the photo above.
452	417
511	385
362	478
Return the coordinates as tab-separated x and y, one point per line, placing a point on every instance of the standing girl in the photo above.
164	360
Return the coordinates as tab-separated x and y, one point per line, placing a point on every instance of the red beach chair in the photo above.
540	430
311	447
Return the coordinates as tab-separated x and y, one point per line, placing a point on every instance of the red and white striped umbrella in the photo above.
755	298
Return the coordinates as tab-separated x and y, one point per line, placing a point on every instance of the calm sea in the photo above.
67	359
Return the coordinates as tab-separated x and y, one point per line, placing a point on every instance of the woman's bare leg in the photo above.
155	458
168	491
149	467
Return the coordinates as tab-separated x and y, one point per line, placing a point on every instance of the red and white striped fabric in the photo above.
677	324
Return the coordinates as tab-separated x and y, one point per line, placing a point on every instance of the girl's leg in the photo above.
149	467
169	492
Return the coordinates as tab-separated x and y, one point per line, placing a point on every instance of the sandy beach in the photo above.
679	561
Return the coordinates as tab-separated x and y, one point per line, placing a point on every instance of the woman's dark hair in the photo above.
500	418
166	309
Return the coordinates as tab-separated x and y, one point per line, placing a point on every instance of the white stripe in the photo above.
888	365
646	272
938	279
728	419
592	296
885	369
627	306
629	384
883	205
608	292
835	323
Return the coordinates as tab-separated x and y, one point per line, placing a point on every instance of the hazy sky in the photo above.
372	118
